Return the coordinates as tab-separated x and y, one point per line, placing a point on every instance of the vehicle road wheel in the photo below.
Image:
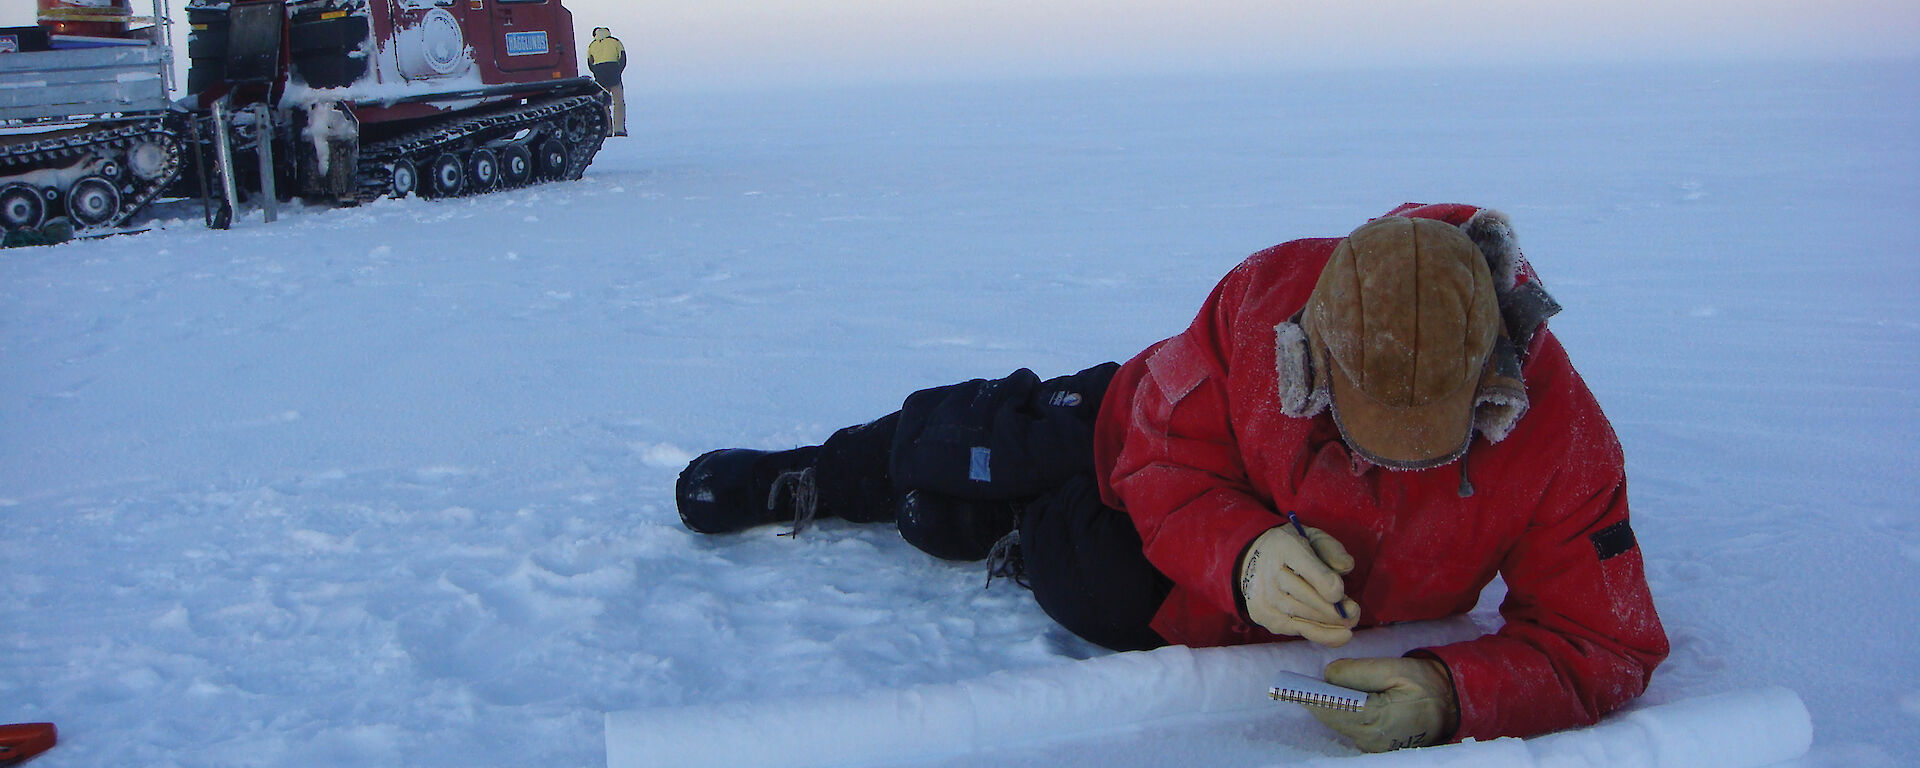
406	178
483	170
21	208
447	176
553	158
516	165
93	201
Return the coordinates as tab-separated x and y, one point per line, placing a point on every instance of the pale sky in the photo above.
779	41
751	43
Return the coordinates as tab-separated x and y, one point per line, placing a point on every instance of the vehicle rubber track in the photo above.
94	153
578	122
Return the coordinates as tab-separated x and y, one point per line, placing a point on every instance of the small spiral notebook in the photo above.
1315	692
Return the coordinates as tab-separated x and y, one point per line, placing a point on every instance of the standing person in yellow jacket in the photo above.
607	58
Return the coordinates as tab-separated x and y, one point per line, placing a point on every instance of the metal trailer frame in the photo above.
93	83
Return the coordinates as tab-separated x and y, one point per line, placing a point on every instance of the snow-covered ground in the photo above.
393	486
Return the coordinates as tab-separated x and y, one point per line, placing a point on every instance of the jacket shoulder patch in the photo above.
1612	540
1177	368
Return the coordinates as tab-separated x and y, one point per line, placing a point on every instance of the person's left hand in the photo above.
1410	703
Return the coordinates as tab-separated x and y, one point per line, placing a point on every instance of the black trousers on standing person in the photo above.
959	467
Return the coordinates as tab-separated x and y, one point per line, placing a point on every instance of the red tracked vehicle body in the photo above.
440	97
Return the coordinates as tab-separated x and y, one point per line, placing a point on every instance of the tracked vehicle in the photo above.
341	100
87	134
363	98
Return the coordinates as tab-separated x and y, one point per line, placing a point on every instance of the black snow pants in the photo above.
1016	442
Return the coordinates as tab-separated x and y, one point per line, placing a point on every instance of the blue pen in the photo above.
1302	530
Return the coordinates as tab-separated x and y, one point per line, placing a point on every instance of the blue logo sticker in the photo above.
978	468
526	43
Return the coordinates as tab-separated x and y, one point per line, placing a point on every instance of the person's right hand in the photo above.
1291	585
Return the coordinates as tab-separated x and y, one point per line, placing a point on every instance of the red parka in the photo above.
1192	444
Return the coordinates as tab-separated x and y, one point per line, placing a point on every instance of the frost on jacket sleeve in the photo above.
1179	473
1581	636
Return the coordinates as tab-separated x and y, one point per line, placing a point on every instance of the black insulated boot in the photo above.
733	489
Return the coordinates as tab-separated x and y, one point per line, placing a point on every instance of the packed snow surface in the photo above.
393	485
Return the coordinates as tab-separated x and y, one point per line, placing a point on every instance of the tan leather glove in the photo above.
1411	703
1291	585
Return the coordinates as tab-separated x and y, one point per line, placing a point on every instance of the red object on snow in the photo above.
19	743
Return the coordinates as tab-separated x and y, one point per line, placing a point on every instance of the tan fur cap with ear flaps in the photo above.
1400	326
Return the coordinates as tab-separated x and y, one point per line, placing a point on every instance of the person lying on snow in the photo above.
1336	381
